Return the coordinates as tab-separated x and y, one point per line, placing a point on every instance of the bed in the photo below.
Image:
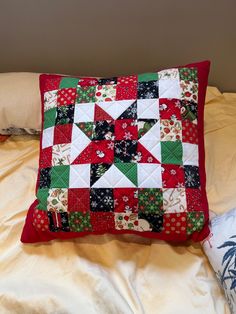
112	274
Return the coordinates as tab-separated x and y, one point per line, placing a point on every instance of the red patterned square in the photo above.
102	151
126	200
62	134
40	220
127	87
88	81
194	199
126	129
51	84
46	157
189	132
174	223
102	221
78	200
172	176
66	96
170	109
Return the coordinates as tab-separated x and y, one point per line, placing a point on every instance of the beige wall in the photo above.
111	37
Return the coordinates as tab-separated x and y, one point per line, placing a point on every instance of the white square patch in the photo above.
149	176
79	176
48	137
50	100
84	112
190	154
174	200
169	88
148	109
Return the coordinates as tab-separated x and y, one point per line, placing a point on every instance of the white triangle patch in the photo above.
148	108
79	142
151	141
113	177
115	108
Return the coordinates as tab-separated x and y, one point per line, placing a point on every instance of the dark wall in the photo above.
112	37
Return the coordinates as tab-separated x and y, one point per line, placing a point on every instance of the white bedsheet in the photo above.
111	274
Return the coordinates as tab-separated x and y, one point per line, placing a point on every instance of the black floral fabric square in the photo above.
125	151
64	222
45	178
192	178
104	130
107	81
101	200
65	114
148	90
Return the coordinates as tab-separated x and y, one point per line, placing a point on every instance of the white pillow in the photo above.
19	103
220	247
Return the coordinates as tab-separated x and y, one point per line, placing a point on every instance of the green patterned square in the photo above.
79	222
85	94
49	118
195	222
150	201
42	196
69	82
188	74
172	153
145	77
60	177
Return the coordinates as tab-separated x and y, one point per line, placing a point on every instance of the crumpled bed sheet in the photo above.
111	274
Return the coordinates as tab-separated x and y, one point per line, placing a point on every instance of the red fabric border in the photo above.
31	235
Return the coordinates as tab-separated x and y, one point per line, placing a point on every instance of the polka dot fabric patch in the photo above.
122	155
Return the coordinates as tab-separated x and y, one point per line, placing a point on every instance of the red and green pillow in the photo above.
122	155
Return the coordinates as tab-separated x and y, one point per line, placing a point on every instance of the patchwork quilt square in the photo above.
126	87
65	114
45	159
66	96
50	100
57	200
50	117
79	200
126	221
79	222
125	151
62	133
126	200
122	155
61	154
101	200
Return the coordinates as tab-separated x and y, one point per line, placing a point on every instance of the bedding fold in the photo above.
111	274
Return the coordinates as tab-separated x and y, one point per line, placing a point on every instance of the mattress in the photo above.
111	274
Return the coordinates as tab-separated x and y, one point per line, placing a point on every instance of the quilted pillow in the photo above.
220	248
122	155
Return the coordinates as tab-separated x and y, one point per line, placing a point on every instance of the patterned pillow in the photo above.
220	248
122	155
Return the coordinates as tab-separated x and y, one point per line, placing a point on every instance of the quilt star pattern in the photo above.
120	154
